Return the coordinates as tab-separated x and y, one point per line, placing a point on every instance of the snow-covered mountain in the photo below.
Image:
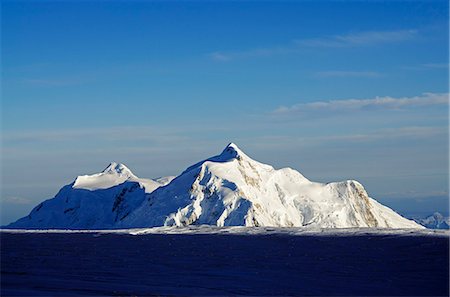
229	189
434	221
97	201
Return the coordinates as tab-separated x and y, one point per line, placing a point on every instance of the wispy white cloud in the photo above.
360	39
366	38
340	73
257	52
17	200
417	195
53	82
218	56
393	133
426	66
425	99
436	65
379	135
114	134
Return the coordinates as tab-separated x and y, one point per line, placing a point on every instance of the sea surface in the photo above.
196	262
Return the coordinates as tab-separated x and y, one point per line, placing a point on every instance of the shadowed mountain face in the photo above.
229	189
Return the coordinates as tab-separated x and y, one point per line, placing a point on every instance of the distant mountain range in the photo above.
434	221
229	189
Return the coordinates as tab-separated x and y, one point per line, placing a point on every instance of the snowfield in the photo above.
229	189
213	261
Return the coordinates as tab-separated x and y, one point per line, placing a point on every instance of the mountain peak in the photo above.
232	151
232	145
114	174
117	168
437	215
229	153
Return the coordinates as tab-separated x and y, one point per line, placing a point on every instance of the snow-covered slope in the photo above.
93	201
115	174
434	221
230	189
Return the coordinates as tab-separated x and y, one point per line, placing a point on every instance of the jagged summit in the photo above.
434	221
232	151
117	168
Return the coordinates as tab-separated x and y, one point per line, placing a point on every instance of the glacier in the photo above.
229	189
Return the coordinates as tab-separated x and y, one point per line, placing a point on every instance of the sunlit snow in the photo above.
229	189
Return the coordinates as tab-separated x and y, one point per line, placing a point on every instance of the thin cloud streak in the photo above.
220	56
427	66
401	133
163	147
17	200
259	52
426	99
53	82
436	65
368	38
360	39
339	73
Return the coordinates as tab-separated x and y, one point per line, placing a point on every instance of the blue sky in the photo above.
336	90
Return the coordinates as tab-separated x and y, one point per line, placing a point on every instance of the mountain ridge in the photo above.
229	189
433	221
